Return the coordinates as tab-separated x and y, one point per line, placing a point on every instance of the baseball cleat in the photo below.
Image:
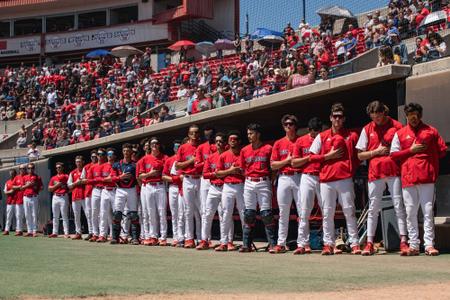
308	249
28	235
404	247
89	236
135	242
146	242
431	251
204	245
53	235
114	242
245	250
18	233
299	250
413	252
230	246
180	244
222	248
327	250
337	251
278	249
101	239
368	249
66	236
77	237
163	243
153	242
356	250
6	232
123	240
189	244
94	238
35	234
174	243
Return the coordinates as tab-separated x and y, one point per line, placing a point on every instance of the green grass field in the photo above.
65	268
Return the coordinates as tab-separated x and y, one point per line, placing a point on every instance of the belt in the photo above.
193	176
29	196
155	183
233	183
290	173
109	188
257	179
61	195
312	173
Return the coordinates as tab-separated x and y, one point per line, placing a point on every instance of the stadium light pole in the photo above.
304	9
246	24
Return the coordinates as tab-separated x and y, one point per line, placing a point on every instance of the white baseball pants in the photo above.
88	213
182	223
212	203
156	203
343	191
309	190
145	231
231	194
95	205
205	184
174	211
60	206
258	193
76	207
106	207
192	205
376	190
30	205
14	210
125	198
414	196
287	191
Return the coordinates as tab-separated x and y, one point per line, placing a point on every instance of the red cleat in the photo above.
413	252
174	243
404	247
299	251
163	243
230	246
278	249
337	251
221	248
204	245
189	244
356	250
89	236
308	249
431	251
153	242
18	233
53	236
77	237
245	250
101	239
327	250
66	236
94	238
368	250
146	242
6	232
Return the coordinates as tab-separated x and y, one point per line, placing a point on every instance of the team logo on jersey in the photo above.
408	137
284	152
228	165
213	167
188	157
256	159
305	150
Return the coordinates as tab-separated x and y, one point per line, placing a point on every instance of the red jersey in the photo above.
336	169
186	152
280	151
62	178
168	164
203	152
19	181
226	161
95	175
11	198
78	192
372	136
149	163
87	187
108	170
35	188
210	168
301	149
255	162
418	168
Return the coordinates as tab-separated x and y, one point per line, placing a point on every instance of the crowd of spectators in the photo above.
91	99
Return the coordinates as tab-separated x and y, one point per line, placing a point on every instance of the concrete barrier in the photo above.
11	127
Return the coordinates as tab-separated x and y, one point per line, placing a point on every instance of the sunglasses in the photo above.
101	154
337	116
193	132
233	139
287	124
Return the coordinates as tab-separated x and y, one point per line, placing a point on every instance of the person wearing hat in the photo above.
335	150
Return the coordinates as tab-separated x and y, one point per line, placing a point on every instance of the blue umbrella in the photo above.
262	32
98	53
205	47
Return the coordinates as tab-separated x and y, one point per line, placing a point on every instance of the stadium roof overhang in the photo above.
313	98
15	6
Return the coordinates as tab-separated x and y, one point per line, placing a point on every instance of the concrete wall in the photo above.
44	211
10	142
224	15
10	127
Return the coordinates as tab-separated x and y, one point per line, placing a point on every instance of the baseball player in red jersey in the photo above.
126	197
17	186
288	178
214	194
60	200
309	183
373	145
94	178
336	178
191	183
201	155
31	188
145	230
88	194
255	162
76	186
11	206
107	196
418	147
150	173
233	189
176	206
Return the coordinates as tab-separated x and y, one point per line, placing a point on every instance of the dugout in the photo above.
355	91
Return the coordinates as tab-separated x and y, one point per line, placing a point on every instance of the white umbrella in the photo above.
434	18
124	51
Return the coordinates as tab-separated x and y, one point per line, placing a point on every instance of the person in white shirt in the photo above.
33	153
